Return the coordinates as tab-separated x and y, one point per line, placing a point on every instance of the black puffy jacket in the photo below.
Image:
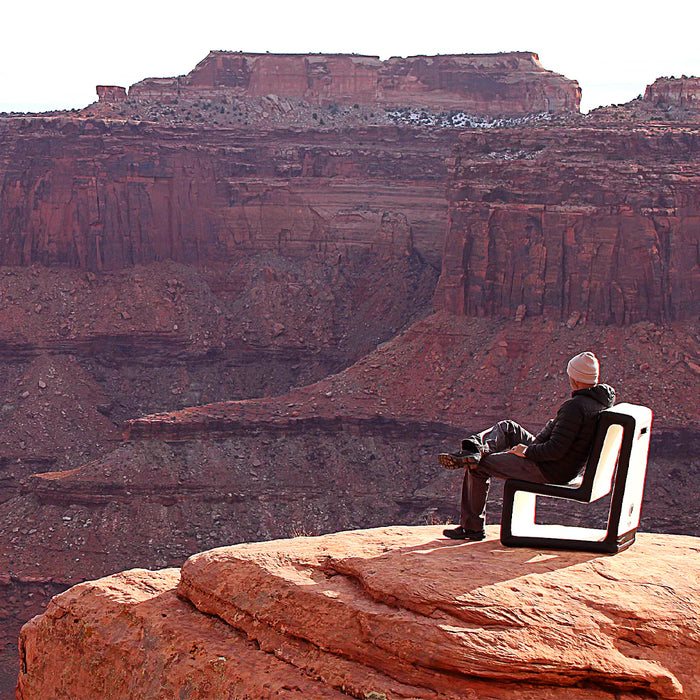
561	448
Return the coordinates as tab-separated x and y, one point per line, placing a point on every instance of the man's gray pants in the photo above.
495	461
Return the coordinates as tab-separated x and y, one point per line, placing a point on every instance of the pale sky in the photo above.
53	54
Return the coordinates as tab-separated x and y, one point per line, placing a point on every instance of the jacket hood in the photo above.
604	394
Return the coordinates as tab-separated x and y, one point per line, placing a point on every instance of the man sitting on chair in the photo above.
556	455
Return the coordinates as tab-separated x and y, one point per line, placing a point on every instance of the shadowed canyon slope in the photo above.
255	272
387	613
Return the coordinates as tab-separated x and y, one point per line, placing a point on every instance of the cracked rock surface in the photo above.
396	612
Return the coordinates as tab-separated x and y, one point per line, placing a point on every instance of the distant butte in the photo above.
674	92
505	84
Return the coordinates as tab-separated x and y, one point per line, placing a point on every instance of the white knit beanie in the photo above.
584	368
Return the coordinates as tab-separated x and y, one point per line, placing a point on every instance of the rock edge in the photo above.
396	612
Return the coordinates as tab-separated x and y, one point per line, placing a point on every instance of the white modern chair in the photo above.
617	463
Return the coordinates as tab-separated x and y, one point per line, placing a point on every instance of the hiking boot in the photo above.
460	533
458	460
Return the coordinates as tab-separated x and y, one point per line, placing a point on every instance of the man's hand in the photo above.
518	450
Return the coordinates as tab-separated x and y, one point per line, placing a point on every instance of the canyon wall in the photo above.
103	194
507	84
597	222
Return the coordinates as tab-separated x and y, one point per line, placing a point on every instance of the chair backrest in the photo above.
598	476
607	461
620	425
636	464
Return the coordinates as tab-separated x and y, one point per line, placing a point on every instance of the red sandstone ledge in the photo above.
448	373
397	612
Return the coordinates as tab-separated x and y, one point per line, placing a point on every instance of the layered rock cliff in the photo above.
683	93
105	194
598	222
495	84
593	220
388	613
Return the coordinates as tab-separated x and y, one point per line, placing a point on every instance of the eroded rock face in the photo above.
593	220
600	222
157	617
111	94
393	612
675	92
105	194
495	84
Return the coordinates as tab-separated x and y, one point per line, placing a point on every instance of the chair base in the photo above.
577	539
